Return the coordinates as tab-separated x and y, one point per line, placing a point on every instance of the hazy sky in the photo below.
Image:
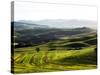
41	11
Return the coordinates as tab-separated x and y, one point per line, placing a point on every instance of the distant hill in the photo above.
43	35
21	25
72	23
32	32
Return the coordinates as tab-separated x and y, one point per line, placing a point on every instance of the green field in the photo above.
58	55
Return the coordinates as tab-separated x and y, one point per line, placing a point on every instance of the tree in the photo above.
37	49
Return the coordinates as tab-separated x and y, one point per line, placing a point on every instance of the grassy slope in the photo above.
28	60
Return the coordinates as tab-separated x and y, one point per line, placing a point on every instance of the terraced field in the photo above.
54	56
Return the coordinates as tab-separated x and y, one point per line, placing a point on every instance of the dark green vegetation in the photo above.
52	49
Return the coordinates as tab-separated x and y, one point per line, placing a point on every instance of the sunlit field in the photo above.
56	55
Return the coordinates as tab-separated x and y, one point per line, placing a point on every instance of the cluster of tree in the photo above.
92	41
75	46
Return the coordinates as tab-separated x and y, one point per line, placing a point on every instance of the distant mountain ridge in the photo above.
62	23
54	23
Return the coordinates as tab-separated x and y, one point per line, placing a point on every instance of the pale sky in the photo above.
41	11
